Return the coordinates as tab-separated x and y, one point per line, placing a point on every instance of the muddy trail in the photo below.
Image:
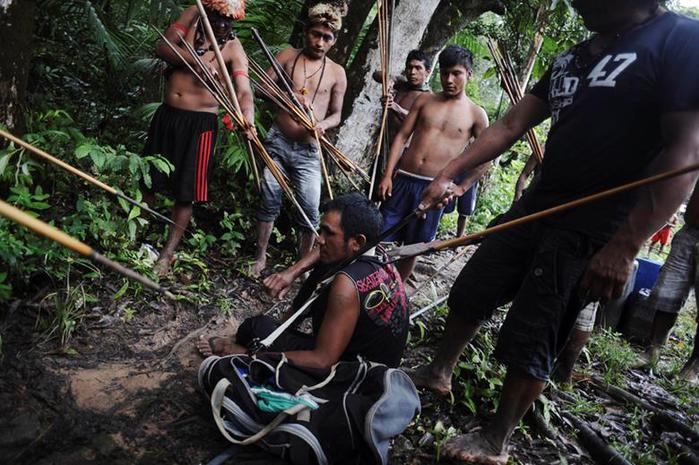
125	392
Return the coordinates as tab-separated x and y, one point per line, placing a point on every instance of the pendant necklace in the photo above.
306	77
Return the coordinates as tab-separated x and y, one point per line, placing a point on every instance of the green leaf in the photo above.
98	157
132	230
124	204
146	179
489	73
135	213
83	150
162	165
4	160
71	351
134	162
120	293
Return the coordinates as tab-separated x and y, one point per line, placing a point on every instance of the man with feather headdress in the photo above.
184	127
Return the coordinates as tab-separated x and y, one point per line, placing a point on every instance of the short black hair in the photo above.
456	55
419	55
358	215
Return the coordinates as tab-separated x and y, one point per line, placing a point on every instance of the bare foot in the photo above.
690	371
429	378
648	359
162	266
259	266
218	346
474	448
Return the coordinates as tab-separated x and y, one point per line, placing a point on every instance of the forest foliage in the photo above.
93	85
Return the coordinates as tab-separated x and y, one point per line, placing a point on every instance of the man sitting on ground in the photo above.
364	311
441	126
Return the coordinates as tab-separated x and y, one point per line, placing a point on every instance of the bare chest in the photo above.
454	121
313	80
407	99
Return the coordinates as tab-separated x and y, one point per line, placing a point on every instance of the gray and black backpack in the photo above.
345	415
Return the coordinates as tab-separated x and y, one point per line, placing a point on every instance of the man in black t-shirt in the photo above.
363	312
624	105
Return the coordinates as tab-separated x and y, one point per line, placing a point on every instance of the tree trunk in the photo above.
526	71
16	31
352	26
451	17
362	108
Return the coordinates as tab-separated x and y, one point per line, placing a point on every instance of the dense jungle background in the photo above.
96	369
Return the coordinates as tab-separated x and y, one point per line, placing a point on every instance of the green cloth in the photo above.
277	401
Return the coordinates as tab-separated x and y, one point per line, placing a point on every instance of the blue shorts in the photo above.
466	204
407	193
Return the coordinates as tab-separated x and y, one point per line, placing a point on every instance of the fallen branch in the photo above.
662	418
599	450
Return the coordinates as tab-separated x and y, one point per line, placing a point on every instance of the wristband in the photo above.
183	29
240	73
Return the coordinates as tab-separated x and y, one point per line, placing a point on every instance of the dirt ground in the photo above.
127	393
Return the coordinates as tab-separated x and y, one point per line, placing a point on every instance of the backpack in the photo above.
346	415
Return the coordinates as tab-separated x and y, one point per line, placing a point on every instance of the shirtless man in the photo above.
407	87
441	126
184	128
320	83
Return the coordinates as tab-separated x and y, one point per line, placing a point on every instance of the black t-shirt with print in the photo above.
382	327
606	118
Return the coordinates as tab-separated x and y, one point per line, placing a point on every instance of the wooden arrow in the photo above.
46	230
85	176
414	250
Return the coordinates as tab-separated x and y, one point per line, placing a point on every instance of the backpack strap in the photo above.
269	340
217	397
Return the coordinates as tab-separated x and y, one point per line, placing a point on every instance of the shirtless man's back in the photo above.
441	126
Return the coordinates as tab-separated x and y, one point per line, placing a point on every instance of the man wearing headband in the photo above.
320	84
185	126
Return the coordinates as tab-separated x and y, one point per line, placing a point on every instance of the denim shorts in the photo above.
301	164
679	273
538	268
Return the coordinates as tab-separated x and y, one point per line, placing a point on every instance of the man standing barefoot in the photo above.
184	127
633	87
320	83
441	125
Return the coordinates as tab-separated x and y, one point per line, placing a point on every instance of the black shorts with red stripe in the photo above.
187	139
